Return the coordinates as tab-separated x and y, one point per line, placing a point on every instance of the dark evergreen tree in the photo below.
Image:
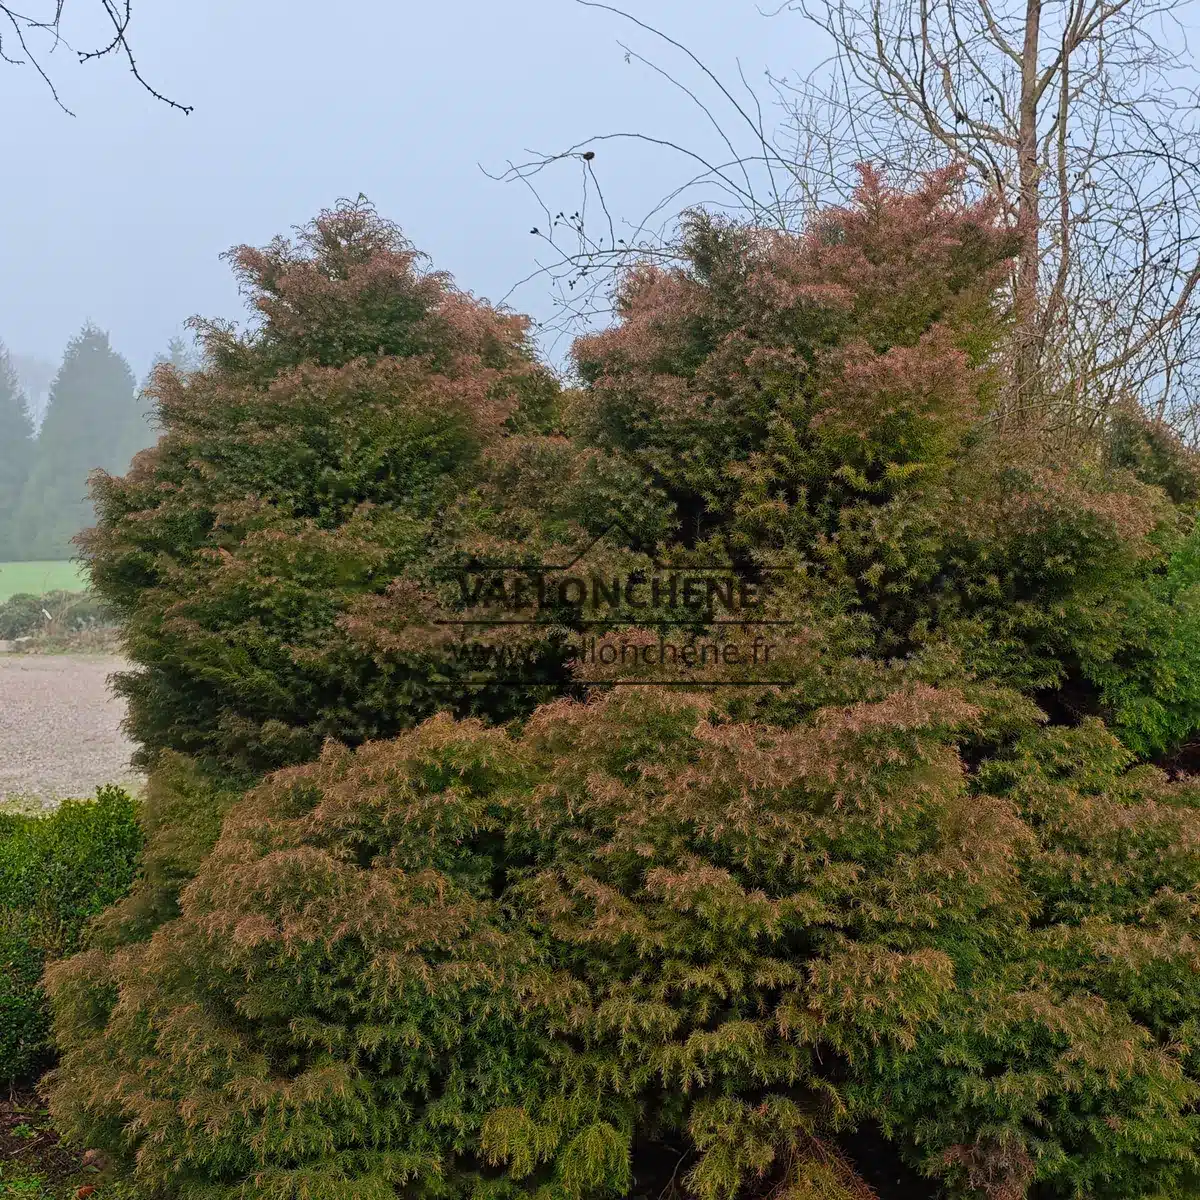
89	424
16	446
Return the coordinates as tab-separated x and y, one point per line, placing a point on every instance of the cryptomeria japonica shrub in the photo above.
308	464
822	403
816	402
468	962
398	971
652	928
317	486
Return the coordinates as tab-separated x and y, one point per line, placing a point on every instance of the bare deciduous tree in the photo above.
1081	117
742	171
33	31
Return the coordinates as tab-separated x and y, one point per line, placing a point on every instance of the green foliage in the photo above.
16	434
180	813
1154	453
468	963
93	422
355	1110
315	461
820	405
1078	1037
769	381
516	950
56	873
20	615
1148	673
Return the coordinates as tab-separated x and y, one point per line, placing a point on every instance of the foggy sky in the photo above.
118	215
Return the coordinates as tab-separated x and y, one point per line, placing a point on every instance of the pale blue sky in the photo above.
118	214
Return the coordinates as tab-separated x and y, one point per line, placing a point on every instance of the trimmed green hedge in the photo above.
57	871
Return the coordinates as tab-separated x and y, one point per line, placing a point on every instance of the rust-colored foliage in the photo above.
472	963
309	464
822	404
648	926
773	376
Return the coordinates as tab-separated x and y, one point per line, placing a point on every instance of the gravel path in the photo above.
60	729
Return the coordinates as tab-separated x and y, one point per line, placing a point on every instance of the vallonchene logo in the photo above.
662	625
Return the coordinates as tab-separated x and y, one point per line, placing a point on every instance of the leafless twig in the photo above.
27	36
1082	118
746	172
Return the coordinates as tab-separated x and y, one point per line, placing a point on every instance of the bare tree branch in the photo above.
746	171
1083	121
33	36
1077	116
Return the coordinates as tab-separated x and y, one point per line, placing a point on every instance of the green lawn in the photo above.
39	578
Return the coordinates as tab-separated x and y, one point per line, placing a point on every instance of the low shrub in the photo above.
55	613
473	962
20	615
57	871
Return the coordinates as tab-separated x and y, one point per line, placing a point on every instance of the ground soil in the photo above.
28	1143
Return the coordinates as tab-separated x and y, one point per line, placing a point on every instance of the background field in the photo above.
39	578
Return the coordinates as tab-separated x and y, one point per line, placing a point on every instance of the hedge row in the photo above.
57	871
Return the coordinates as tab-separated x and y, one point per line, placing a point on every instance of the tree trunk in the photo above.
1028	184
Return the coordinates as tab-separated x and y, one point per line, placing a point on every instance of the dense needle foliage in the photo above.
822	404
649	937
304	468
467	963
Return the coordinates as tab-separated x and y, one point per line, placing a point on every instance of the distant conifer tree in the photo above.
88	424
16	446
